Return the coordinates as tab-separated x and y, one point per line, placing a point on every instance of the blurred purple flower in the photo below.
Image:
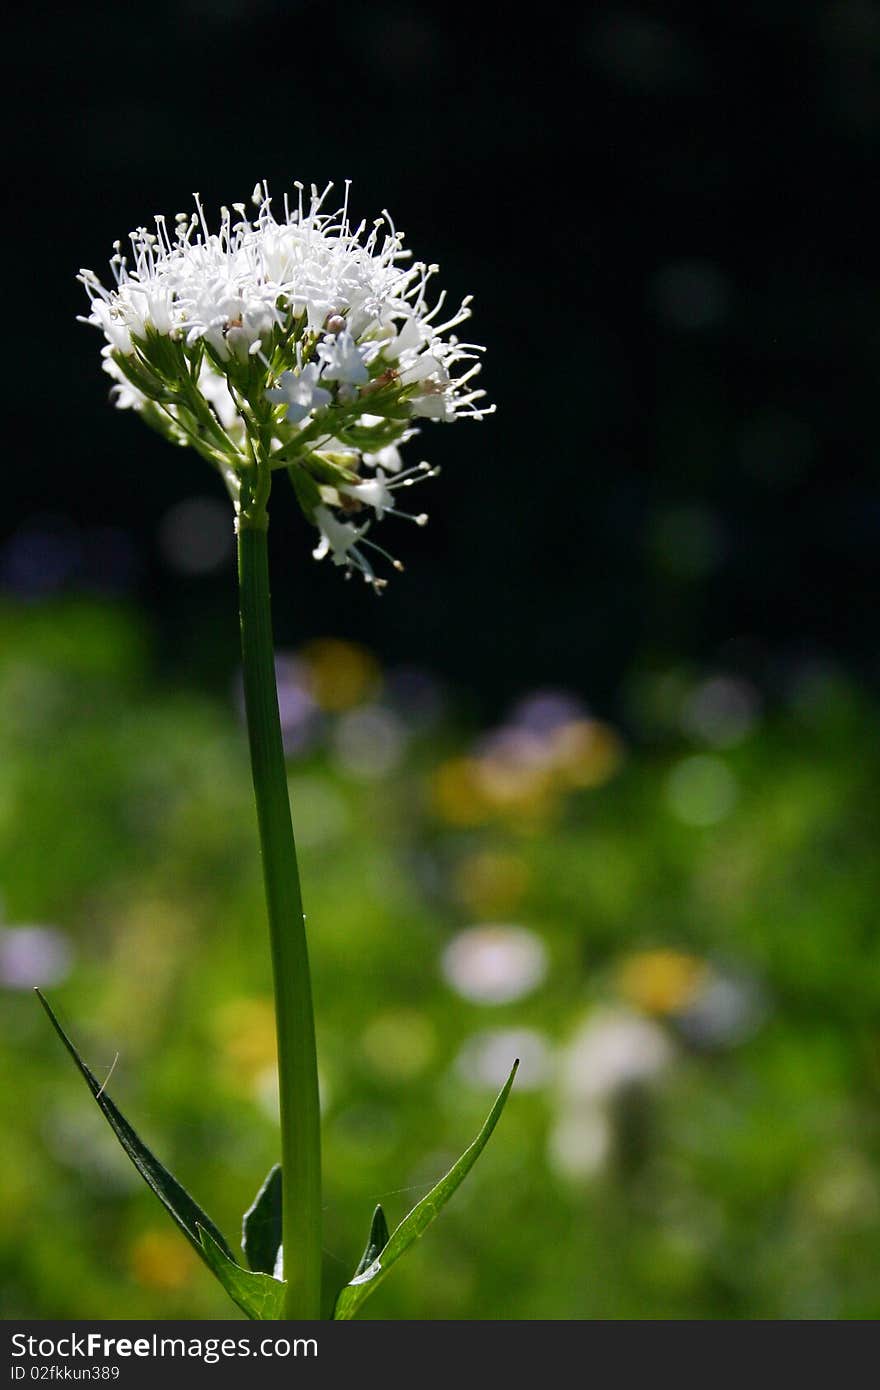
729	1011
32	956
41	557
546	710
300	716
415	695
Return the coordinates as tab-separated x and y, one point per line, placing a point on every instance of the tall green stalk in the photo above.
294	1018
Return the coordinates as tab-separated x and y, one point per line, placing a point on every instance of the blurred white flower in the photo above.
486	1058
495	964
369	742
300	393
580	1143
613	1049
194	535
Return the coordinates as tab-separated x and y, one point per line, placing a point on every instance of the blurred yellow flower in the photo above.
661	982
456	793
245	1031
521	776
585	752
489	882
516	788
474	791
340	674
161	1260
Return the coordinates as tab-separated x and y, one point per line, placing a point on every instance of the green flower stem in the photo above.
297	1065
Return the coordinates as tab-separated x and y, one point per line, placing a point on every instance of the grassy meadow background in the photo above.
670	926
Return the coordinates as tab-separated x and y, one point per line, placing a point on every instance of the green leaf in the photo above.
305	487
185	1211
261	1225
376	1241
258	1295
419	1219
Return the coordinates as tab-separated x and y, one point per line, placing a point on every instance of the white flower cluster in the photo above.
297	343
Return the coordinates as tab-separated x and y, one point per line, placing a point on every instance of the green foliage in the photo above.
376	1241
388	1252
187	1213
261	1225
258	1295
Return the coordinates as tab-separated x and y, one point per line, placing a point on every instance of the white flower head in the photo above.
343	360
338	538
300	392
373	492
388	459
287	341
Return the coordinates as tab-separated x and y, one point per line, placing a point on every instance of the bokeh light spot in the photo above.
490	881
721	711
661	982
485	1059
586	752
340	674
580	1143
399	1044
495	964
701	790
369	742
322	815
245	1033
196	535
161	1260
457	794
32	956
612	1050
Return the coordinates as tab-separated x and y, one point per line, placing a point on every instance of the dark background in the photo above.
662	211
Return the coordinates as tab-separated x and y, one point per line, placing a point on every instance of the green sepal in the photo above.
370	438
160	421
261	1225
307	492
258	1295
376	1241
135	370
388	399
419	1219
166	356
176	1200
330	469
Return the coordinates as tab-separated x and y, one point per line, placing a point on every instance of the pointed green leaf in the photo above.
419	1219
261	1225
177	1201
376	1241
258	1295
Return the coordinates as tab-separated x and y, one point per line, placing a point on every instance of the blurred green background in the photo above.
672	929
595	783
